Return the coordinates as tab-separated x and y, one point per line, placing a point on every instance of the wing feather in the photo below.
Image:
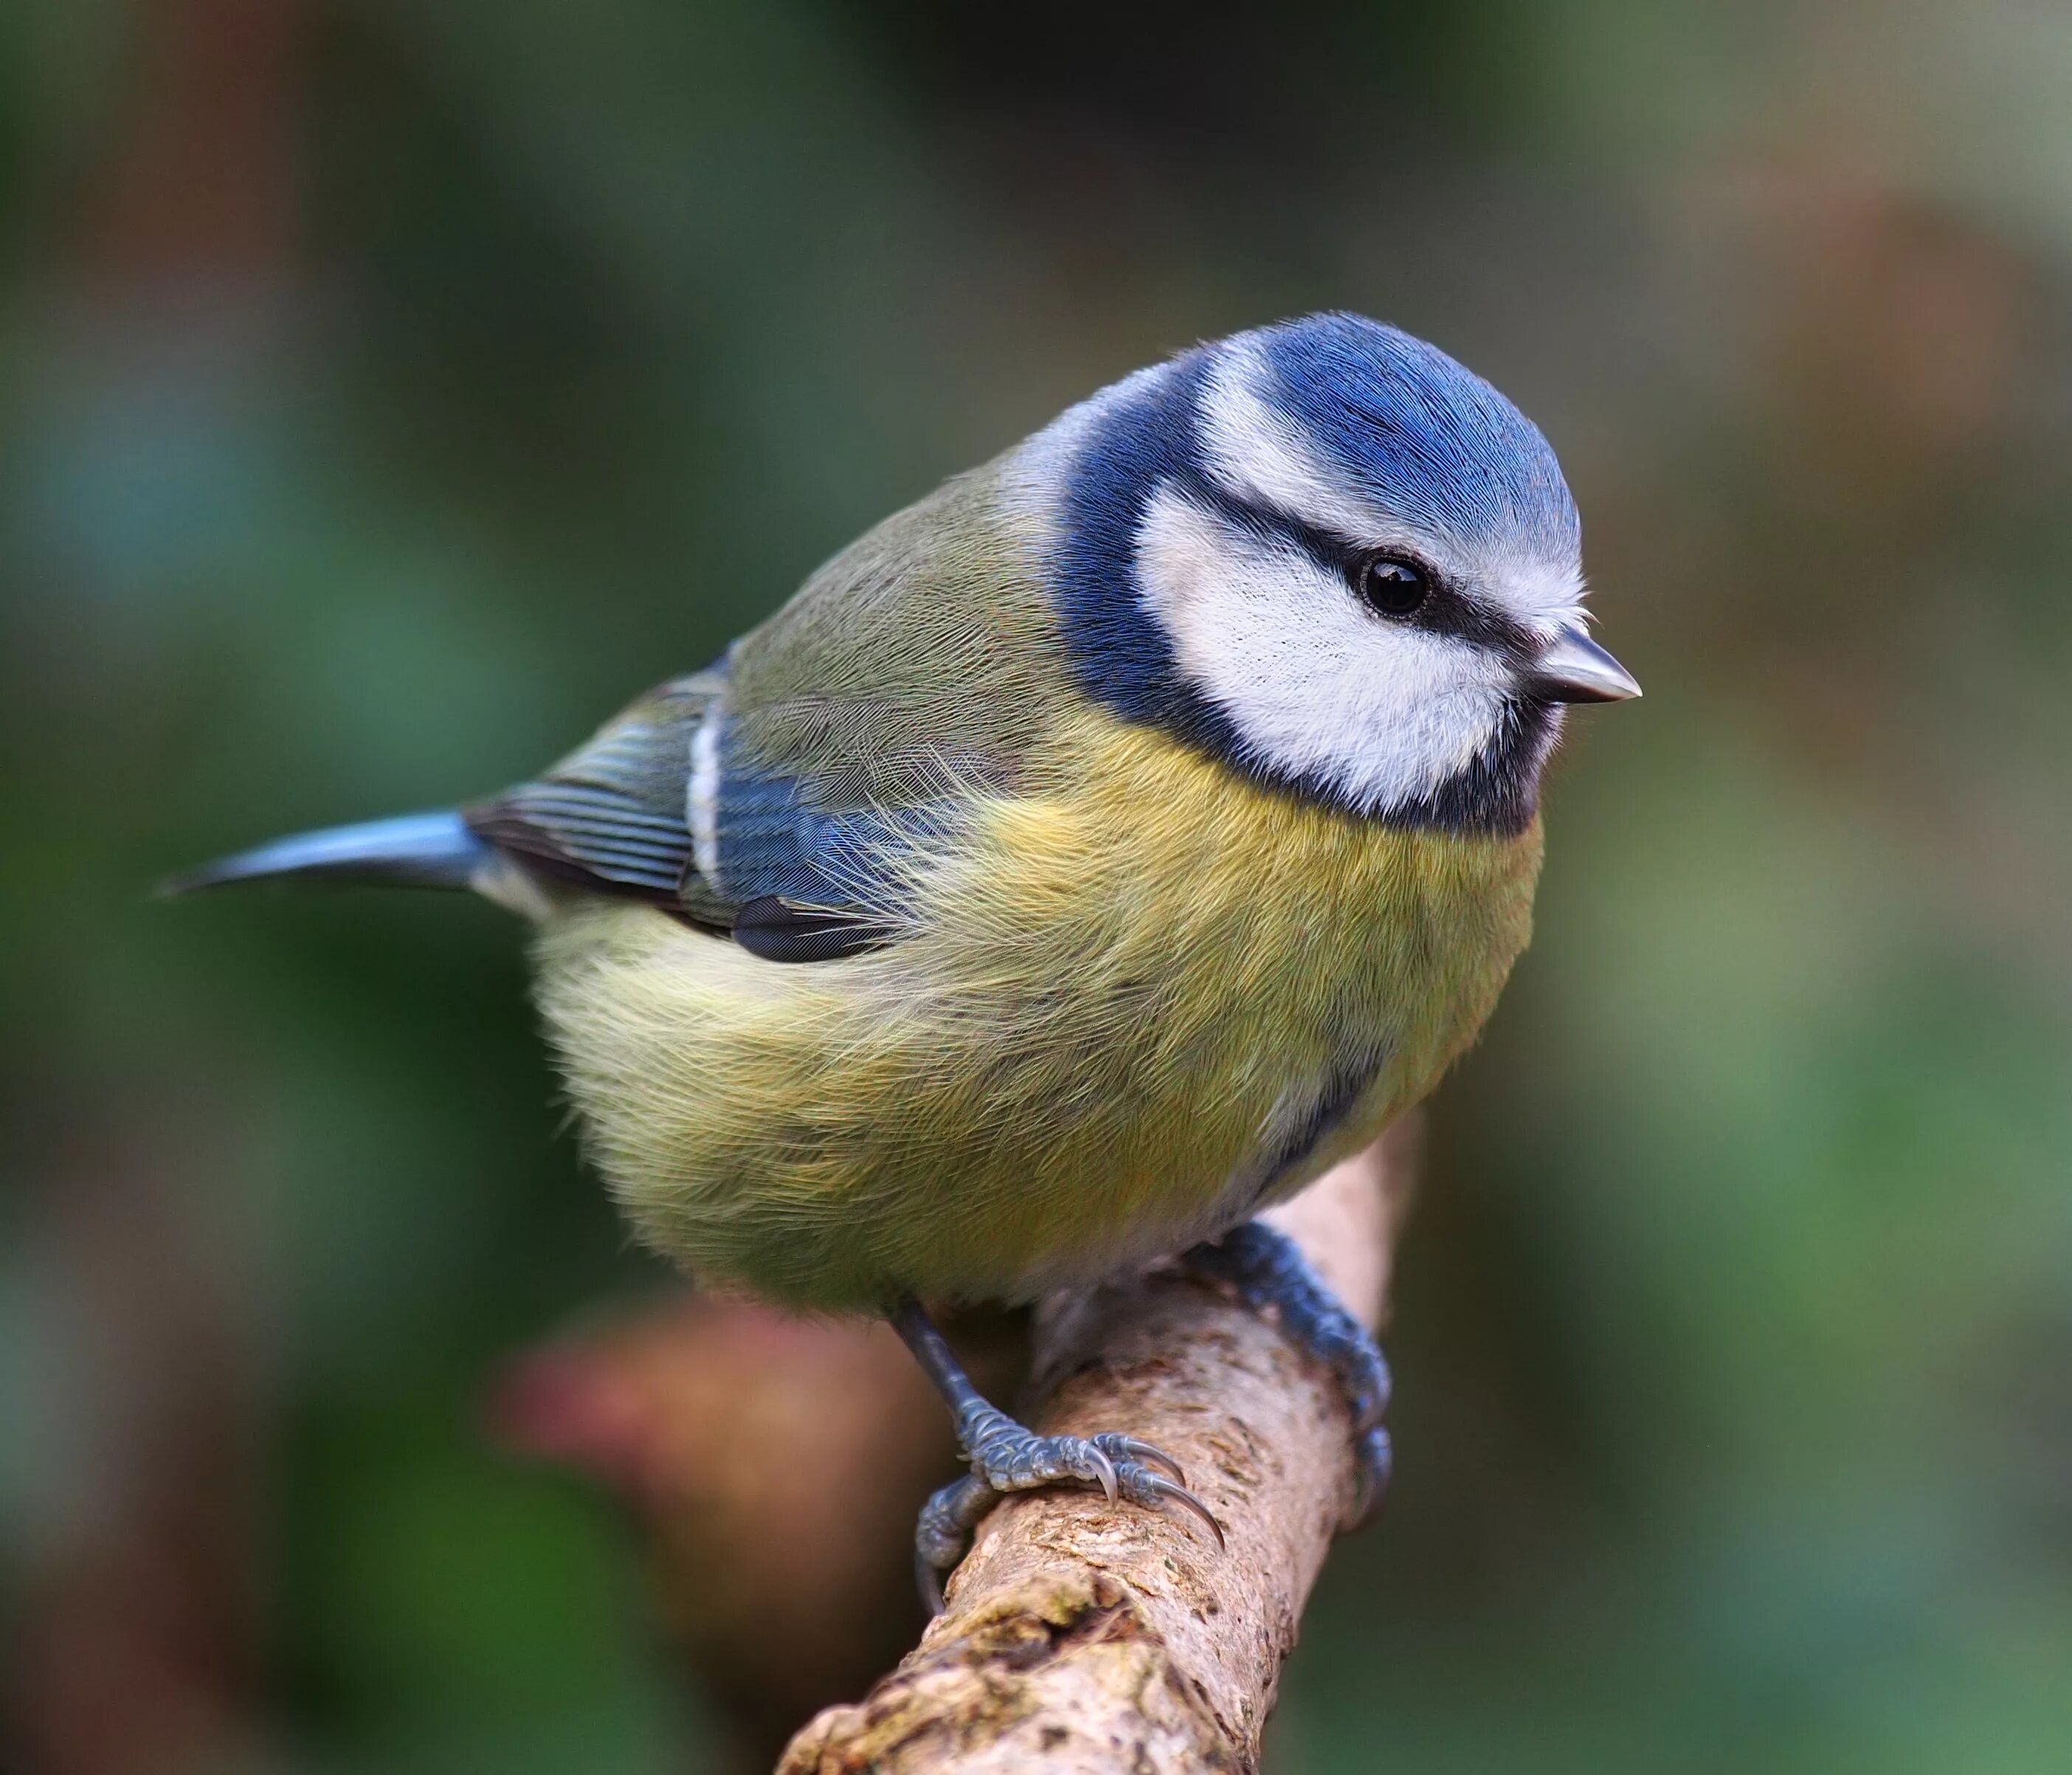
835	743
612	816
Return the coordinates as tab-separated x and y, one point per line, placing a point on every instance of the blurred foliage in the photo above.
394	388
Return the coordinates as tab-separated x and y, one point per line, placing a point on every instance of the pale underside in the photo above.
1134	1000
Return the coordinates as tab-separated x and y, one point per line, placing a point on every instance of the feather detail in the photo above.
609	816
777	931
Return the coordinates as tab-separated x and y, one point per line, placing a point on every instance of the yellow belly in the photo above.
1127	1000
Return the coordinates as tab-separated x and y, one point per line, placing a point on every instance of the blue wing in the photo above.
611	816
792	872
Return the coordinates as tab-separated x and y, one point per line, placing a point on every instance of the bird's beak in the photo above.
1571	668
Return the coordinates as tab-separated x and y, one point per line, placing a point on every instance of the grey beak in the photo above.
1571	668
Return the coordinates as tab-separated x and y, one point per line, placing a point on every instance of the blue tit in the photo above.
1088	857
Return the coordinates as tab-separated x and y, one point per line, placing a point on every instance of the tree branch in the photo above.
1081	1636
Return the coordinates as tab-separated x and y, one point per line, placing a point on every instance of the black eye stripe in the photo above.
1446	610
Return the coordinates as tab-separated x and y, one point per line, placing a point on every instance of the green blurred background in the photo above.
393	388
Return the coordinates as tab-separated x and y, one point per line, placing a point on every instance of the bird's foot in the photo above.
1006	1456
1267	1270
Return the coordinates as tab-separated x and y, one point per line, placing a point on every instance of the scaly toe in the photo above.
1019	1460
945	1522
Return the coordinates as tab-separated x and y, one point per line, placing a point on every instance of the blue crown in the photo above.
1418	434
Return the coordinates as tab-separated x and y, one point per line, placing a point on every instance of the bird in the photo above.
1086	858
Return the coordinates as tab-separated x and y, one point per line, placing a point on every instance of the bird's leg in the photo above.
1006	1456
1267	1270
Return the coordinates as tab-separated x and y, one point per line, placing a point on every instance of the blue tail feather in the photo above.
413	849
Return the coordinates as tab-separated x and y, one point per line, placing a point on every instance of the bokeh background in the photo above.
392	388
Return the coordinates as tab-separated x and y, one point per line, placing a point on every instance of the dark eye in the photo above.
1394	588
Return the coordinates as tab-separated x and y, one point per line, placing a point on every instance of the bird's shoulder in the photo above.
918	668
931	637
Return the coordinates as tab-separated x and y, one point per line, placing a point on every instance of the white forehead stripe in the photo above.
1315	684
1256	452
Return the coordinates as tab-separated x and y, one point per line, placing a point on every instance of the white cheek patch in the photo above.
1257	453
1315	684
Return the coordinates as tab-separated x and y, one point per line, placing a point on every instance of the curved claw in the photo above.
1148	1453
930	1583
1375	1456
1151	1488
1104	1469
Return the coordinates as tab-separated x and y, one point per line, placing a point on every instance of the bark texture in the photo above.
1082	1636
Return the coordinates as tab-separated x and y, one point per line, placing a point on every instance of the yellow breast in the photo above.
1132	999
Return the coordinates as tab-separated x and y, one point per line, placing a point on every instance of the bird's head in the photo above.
1330	555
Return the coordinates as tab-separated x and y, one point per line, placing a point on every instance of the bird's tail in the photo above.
411	850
